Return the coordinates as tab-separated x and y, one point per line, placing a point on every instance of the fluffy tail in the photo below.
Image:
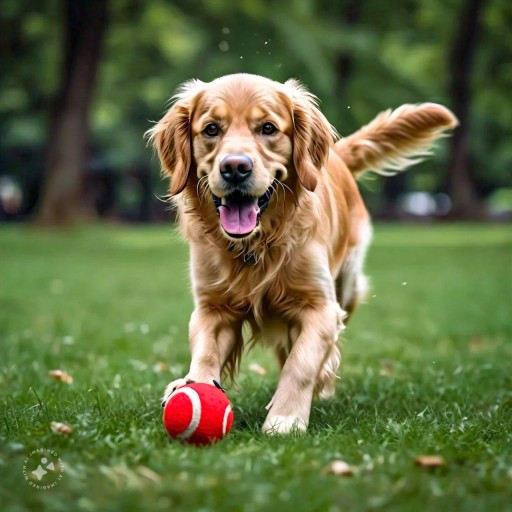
395	139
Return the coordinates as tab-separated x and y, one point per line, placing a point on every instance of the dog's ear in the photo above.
312	134
171	136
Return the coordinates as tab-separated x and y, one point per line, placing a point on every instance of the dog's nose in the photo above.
236	168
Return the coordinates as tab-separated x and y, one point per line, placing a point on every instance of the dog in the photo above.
267	198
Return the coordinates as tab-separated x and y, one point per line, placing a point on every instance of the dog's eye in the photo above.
268	129
211	130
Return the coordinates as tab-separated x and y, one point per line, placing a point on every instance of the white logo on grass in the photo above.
43	468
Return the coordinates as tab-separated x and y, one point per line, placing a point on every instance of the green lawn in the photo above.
427	370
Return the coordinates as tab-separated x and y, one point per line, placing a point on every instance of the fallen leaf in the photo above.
149	474
476	344
387	368
61	376
160	367
338	468
258	369
60	428
430	461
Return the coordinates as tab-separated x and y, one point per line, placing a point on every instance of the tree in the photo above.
351	15
358	57
66	152
465	202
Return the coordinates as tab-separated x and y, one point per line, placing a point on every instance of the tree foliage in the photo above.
397	52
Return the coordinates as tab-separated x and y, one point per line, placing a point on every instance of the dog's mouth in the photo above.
239	213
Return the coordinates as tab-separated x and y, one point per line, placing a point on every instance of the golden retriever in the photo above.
267	198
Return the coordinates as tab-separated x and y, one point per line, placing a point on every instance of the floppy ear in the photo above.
171	137
312	135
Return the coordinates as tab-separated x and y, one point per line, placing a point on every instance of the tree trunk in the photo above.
461	187
350	13
66	153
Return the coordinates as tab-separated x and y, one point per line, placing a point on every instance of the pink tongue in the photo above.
239	218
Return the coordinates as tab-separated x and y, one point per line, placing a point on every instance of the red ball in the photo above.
198	414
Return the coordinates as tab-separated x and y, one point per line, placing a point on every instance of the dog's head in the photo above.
239	137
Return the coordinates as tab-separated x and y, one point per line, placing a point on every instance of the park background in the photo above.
83	80
94	279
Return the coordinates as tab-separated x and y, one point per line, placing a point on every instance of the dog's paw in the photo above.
178	383
282	425
172	387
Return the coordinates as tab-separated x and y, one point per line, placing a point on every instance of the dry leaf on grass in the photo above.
339	468
387	368
430	461
160	367
476	344
258	369
149	474
61	376
60	428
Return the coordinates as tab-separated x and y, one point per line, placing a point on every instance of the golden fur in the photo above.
298	275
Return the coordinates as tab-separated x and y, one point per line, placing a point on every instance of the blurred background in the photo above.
83	80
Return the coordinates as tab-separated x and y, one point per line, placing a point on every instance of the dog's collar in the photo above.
249	258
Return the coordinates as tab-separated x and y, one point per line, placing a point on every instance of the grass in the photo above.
427	370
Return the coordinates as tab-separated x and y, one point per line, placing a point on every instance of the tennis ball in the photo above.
198	414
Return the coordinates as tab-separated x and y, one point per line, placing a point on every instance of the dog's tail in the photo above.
396	139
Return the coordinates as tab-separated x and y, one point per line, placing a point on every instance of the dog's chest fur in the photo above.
278	283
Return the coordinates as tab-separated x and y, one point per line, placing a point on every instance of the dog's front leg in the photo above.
212	338
290	407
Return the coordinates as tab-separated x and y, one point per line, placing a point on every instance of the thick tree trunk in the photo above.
66	156
461	187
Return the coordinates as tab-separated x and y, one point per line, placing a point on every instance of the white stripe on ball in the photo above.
225	420
196	412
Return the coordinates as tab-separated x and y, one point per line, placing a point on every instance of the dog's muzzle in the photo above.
239	213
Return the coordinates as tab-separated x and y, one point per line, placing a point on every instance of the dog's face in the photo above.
245	134
242	143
